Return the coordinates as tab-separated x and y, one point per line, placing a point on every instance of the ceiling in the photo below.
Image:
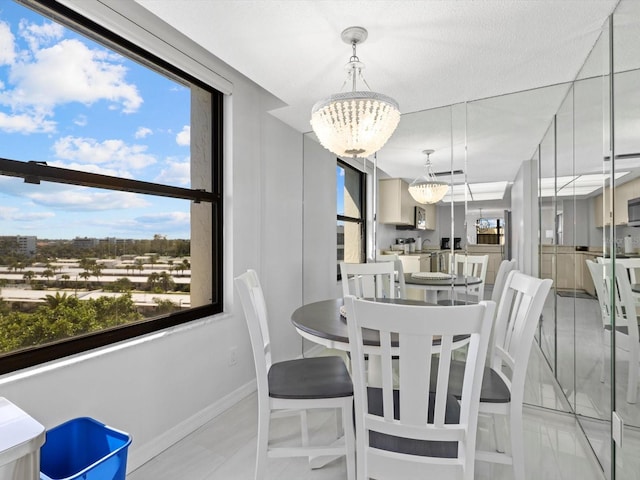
423	53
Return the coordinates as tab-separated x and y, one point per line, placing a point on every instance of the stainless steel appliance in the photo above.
633	209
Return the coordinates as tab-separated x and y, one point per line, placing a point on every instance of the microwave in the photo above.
633	210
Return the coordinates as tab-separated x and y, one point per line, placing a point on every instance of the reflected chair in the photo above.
408	432
474	266
502	392
626	326
506	266
368	280
399	271
294	386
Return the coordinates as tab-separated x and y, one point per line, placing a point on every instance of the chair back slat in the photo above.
518	314
399	273
368	280
255	311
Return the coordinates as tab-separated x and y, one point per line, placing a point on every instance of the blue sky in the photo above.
75	104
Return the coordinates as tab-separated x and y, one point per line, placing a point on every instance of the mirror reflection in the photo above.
531	178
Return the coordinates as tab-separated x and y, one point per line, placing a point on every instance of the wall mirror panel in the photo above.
552	146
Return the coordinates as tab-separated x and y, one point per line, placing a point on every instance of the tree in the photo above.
121	285
152	281
96	270
166	281
86	276
139	264
165	306
48	274
53	301
28	276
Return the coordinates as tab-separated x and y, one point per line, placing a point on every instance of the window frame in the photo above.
362	220
36	171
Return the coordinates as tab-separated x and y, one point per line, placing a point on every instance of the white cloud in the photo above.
26	123
143	132
6	213
81	120
69	71
184	137
7	45
109	154
165	218
32	217
175	173
89	200
37	35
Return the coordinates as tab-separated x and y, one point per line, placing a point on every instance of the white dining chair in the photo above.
626	330
502	393
505	267
408	432
368	280
474	266
294	386
398	266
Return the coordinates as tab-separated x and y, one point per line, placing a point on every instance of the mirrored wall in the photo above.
567	195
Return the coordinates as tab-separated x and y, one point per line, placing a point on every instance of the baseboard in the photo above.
139	455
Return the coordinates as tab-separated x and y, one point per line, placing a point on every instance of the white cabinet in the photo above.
396	206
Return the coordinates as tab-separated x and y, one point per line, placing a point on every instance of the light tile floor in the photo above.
224	448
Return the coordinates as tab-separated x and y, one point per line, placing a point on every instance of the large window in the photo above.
351	214
110	189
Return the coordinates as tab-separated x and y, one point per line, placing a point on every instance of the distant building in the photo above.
27	245
18	244
85	242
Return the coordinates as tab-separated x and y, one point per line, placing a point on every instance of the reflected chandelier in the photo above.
427	189
355	123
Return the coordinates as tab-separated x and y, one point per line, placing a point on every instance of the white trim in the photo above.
135	23
139	455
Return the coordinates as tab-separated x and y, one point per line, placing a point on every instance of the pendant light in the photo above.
427	189
356	123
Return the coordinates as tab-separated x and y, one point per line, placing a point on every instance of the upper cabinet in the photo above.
396	206
622	193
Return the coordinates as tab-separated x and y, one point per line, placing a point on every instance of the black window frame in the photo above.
362	220
34	171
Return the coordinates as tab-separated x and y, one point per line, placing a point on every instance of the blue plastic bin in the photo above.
86	449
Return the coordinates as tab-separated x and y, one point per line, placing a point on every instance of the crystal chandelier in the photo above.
355	123
427	189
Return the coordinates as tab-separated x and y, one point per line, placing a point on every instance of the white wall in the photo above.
160	387
525	218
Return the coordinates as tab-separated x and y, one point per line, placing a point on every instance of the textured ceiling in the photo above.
425	54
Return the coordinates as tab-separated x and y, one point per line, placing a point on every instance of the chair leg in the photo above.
263	443
602	356
349	438
304	428
498	436
517	445
632	380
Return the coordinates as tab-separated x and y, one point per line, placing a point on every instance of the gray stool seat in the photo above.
315	377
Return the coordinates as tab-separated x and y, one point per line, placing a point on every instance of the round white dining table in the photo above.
432	283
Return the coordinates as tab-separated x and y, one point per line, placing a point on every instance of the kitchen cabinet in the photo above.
396	206
623	193
431	218
571	272
494	252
